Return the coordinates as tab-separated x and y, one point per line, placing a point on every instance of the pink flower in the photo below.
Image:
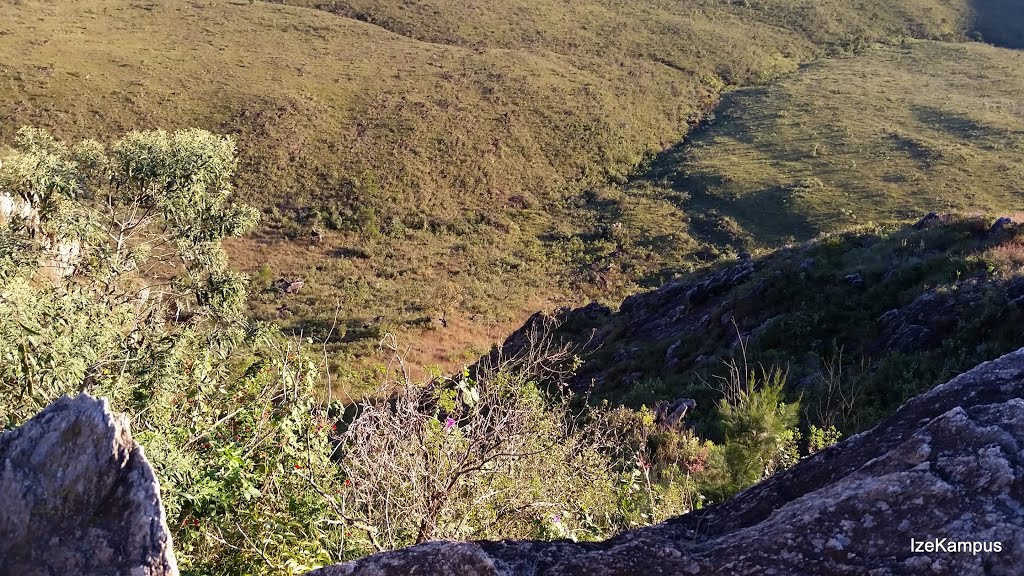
449	423
643	462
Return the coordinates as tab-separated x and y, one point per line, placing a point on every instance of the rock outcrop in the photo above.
946	471
929	318
867	293
77	496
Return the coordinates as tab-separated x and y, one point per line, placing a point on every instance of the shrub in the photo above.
488	459
147	216
151	318
820	438
760	435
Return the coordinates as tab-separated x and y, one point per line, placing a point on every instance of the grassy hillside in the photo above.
896	132
448	153
651	28
892	133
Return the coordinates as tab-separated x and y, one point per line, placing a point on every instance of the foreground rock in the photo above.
77	496
948	465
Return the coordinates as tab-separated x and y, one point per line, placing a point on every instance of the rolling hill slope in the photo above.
889	134
895	132
450	156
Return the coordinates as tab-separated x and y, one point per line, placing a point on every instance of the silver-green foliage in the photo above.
113	281
97	247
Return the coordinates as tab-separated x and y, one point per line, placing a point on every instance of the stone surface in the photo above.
948	465
77	497
1000	224
927	219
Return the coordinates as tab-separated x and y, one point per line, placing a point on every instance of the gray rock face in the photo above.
947	467
928	218
77	497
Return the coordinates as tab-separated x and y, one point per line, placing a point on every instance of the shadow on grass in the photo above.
957	125
1000	22
762	217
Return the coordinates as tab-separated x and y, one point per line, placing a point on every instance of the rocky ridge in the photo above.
867	292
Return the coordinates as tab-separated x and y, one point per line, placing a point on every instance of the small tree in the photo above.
145	218
760	433
470	459
150	316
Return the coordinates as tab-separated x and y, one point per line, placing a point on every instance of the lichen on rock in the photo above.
79	497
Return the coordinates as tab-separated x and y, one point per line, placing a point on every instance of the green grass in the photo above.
894	133
888	134
436	143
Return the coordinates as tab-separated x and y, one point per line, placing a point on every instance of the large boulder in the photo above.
934	489
77	496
